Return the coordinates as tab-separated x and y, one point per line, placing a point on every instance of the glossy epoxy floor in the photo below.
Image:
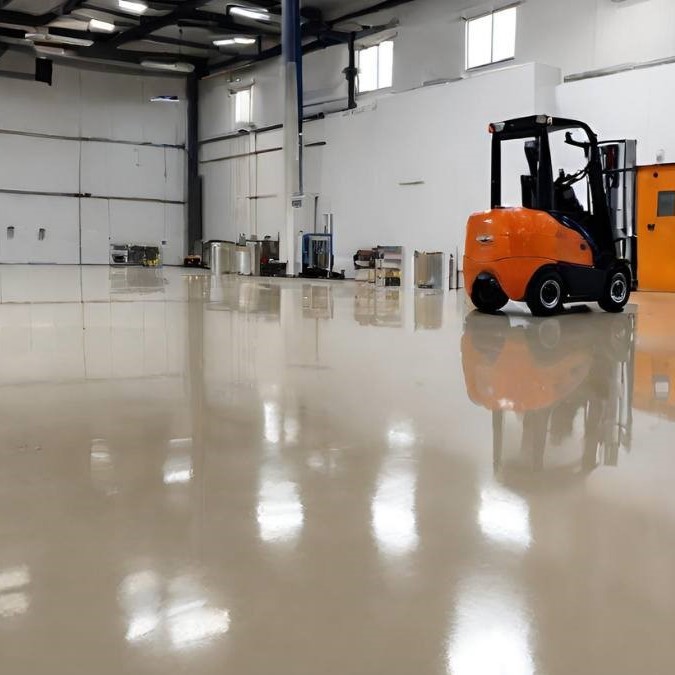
204	475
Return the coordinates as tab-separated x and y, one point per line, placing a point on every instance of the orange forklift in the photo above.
562	243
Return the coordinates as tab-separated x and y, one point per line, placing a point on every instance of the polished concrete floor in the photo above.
203	475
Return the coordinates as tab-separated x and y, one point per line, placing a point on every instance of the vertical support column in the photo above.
351	73
194	183
293	144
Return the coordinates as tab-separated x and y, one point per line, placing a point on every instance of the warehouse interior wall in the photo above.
411	163
97	134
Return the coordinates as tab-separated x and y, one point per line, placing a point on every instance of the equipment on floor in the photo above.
317	257
131	254
559	243
192	261
428	270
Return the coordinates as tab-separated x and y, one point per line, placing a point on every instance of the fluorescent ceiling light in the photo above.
178	67
60	39
50	51
222	42
256	14
134	7
165	99
101	26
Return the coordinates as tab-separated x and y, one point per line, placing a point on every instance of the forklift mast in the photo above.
610	173
619	167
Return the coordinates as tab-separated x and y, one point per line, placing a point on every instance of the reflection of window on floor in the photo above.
14	599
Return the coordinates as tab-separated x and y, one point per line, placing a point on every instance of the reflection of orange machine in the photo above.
655	359
549	371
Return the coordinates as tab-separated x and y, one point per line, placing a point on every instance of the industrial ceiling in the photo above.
200	36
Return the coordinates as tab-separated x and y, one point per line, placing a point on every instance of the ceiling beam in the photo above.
372	9
25	19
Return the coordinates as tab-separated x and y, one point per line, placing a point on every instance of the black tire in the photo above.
616	293
545	293
488	298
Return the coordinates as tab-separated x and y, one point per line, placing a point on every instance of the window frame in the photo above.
491	14
236	94
377	47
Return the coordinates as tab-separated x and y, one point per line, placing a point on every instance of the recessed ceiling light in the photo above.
178	67
134	7
257	14
221	42
59	39
101	26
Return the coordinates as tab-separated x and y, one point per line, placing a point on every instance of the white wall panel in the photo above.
633	104
27	214
36	107
38	164
95	228
131	116
136	222
132	171
175	235
89	104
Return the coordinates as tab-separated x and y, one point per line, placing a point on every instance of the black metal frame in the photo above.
539	127
316	31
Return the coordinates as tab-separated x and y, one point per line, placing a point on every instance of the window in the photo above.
376	67
242	107
666	207
491	38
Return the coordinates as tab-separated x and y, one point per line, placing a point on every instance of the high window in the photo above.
376	67
491	38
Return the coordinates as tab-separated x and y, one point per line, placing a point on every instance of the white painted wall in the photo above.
436	134
97	105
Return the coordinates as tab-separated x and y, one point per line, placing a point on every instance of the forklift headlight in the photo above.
544	119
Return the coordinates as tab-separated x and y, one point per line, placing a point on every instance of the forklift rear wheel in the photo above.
487	295
617	290
545	293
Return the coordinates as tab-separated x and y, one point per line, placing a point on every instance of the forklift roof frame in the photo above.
539	127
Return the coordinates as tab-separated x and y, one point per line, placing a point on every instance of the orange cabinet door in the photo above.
656	228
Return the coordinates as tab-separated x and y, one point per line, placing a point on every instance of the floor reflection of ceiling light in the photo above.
13	604
504	517
393	511
14	578
280	514
141	626
197	625
291	430
174	610
491	631
272	422
178	470
401	435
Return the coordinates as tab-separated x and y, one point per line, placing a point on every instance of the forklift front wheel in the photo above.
545	293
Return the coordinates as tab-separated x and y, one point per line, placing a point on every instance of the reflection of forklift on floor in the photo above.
559	239
548	373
